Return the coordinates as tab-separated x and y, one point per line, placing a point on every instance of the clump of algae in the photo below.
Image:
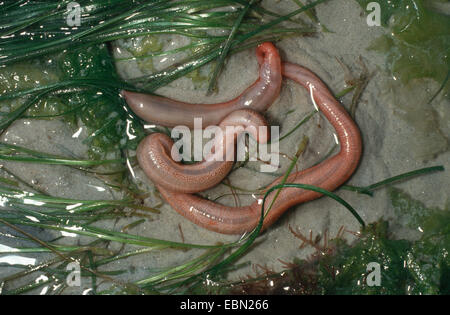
417	48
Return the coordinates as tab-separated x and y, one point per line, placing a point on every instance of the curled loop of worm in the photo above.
158	156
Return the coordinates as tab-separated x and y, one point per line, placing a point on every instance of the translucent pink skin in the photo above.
155	157
328	175
259	96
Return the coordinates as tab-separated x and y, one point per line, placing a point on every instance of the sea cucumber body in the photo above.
259	96
328	175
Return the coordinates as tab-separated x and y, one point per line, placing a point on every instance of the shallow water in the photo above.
392	144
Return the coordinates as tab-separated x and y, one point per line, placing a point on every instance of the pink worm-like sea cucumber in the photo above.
328	175
171	113
156	157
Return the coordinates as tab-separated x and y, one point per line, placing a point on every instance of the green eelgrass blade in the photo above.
326	193
106	21
447	77
183	270
104	234
102	85
14	197
309	13
226	47
300	150
58	161
26	288
11	117
369	189
129	254
303	121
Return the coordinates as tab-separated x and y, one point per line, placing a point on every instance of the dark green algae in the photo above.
341	268
417	41
407	267
111	126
